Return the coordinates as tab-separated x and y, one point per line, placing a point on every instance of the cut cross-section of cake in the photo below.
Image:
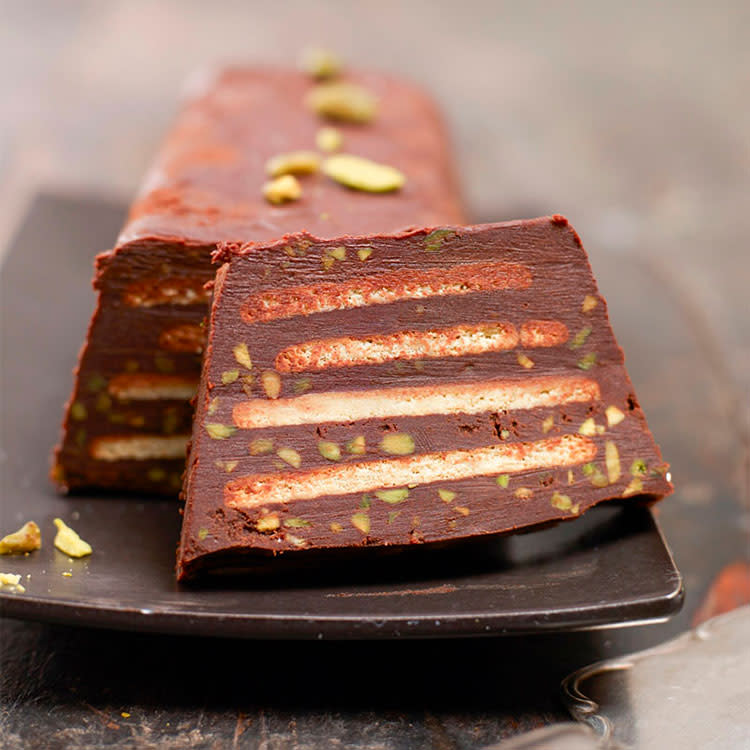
427	386
129	417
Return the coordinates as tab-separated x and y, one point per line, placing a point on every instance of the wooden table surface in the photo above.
631	119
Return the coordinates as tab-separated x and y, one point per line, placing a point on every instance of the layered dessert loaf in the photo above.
129	417
425	386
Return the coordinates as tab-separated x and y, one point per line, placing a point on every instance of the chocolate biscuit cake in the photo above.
415	387
129	417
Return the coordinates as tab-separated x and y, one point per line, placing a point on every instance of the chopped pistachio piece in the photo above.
338	253
103	402
392	516
589	303
504	434
330	450
361	521
290	456
598	479
282	189
220	431
548	423
462	509
524	493
156	474
588	427
503	480
359	173
242	355
587	361
164	364
346	102
562	502
294	162
397	444
202	534
229	376
78	411
271	382
320	63
435	239
336	528
524	361
580	338
365	502
68	542
302	385
247	384
634	487
392	496
588	469
447	496
356	445
213	405
614	415
364	253
228	466
639	468
612	458
27	539
270	522
329	139
571	479
261	447
296	523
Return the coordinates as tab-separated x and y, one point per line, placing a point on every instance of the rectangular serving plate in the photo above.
610	567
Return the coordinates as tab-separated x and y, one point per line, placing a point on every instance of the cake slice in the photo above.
422	387
129	417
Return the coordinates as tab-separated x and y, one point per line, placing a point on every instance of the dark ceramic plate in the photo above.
609	567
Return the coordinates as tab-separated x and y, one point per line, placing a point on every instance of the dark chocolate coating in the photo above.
205	187
216	535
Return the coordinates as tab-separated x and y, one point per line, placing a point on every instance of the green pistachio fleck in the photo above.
356	446
261	447
503	480
156	474
343	101
220	431
562	502
587	361
639	468
247	384
361	521
393	515
164	364
103	402
447	496
270	522
504	434
358	173
290	456
242	355
202	534
78	411
612	457
296	523
329	450
588	469
364	253
365	502
335	527
229	376
392	496
397	444
589	303
580	338
228	466
634	487
598	479
213	405
96	383
339	253
435	239
302	385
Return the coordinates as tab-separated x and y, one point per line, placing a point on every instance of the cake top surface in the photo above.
206	183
